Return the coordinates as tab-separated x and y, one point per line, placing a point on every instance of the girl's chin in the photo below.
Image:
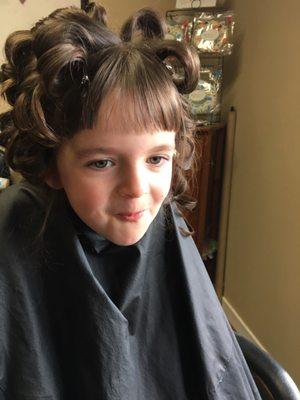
126	238
126	241
128	233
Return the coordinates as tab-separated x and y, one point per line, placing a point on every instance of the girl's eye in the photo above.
157	160
101	164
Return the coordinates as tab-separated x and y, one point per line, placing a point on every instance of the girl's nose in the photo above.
134	182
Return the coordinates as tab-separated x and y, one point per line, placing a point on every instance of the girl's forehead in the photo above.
122	112
117	114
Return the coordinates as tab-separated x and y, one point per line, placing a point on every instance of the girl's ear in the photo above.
52	178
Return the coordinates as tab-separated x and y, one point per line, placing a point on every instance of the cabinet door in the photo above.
206	189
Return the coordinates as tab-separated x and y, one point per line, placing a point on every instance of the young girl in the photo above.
102	293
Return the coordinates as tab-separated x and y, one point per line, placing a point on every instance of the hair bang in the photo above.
146	109
138	92
152	107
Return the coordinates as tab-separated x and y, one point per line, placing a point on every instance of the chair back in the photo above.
273	382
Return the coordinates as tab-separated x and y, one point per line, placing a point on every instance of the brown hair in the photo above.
58	73
147	23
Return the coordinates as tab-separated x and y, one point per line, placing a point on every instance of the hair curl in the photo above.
58	74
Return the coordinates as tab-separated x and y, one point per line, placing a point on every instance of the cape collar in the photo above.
92	239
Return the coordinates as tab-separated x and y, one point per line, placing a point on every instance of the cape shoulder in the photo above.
18	202
22	212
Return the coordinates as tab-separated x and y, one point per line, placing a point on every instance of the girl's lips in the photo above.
131	217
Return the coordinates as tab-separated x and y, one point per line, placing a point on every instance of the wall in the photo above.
14	15
262	265
119	11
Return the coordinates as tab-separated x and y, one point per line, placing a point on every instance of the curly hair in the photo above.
58	74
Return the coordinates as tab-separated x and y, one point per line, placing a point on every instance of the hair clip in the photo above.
85	80
169	67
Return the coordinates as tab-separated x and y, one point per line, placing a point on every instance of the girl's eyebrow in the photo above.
111	150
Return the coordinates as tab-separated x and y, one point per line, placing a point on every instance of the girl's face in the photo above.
116	179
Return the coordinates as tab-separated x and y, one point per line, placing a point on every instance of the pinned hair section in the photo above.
96	12
149	25
188	59
20	61
145	24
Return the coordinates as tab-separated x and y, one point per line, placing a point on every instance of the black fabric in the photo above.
82	318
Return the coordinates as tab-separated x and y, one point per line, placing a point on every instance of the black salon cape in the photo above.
62	337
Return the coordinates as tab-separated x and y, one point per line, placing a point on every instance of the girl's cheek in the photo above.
167	178
164	183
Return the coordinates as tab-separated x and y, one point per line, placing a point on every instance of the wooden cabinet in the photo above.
207	190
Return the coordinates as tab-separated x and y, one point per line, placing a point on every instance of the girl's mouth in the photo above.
131	217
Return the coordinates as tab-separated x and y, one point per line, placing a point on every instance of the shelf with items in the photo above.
210	31
205	100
